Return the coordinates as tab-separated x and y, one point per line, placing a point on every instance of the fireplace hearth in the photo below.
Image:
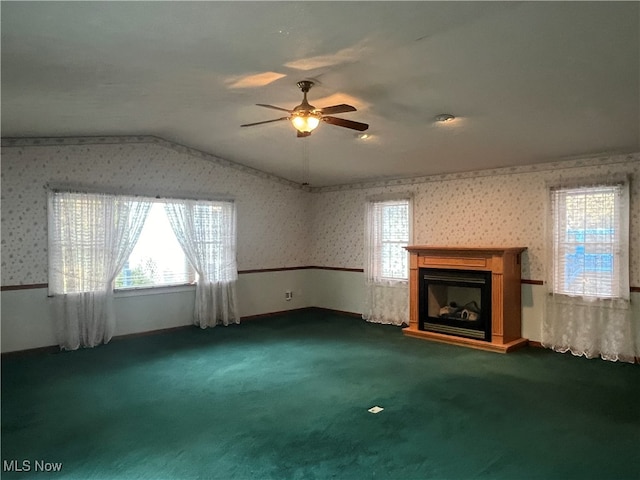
466	296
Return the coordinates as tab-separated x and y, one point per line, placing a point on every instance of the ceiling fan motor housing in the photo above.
305	85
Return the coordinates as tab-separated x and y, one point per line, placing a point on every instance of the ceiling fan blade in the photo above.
342	108
303	134
266	121
341	122
274	107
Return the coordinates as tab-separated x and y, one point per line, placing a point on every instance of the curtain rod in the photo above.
589	181
75	188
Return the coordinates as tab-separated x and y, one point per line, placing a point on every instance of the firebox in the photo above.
455	302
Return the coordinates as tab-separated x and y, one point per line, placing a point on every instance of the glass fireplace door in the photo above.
456	302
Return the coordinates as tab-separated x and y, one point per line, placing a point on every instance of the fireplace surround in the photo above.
466	296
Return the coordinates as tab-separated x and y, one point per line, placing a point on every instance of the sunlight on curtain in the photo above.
158	259
90	238
587	309
207	232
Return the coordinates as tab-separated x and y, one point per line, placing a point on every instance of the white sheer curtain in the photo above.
90	238
387	302
207	233
587	309
387	232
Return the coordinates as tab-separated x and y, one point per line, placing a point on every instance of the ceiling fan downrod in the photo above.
305	86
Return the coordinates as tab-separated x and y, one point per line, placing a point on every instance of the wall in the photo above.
501	207
150	166
28	321
145	168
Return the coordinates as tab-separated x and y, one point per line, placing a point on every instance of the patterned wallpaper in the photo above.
498	208
272	214
281	224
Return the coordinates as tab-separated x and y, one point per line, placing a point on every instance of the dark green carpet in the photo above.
287	398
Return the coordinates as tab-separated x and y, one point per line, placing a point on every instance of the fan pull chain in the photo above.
305	161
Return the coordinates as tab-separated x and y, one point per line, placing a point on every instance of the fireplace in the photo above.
455	302
466	296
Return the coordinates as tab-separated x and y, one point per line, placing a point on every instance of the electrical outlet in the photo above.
288	295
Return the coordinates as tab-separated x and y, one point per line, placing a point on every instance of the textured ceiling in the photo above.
528	82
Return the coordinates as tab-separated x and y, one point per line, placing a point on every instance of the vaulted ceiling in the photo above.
528	82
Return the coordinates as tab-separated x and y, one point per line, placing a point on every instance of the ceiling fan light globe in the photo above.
305	123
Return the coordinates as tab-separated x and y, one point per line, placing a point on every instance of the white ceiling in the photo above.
528	82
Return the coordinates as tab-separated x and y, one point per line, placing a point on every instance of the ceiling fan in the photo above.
305	118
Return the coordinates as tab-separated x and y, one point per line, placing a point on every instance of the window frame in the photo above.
141	289
192	275
375	206
560	245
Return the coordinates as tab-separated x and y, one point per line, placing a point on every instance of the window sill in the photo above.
159	290
577	296
388	282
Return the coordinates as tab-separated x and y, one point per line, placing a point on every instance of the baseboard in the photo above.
31	351
273	314
150	332
339	312
56	349
303	309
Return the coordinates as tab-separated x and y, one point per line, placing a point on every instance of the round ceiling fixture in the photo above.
445	117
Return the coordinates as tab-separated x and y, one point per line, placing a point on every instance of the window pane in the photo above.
158	258
389	237
587	243
394	261
395	223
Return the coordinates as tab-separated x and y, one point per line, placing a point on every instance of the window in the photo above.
157	259
590	240
157	242
389	230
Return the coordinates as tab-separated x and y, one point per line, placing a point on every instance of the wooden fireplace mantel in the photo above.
506	309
